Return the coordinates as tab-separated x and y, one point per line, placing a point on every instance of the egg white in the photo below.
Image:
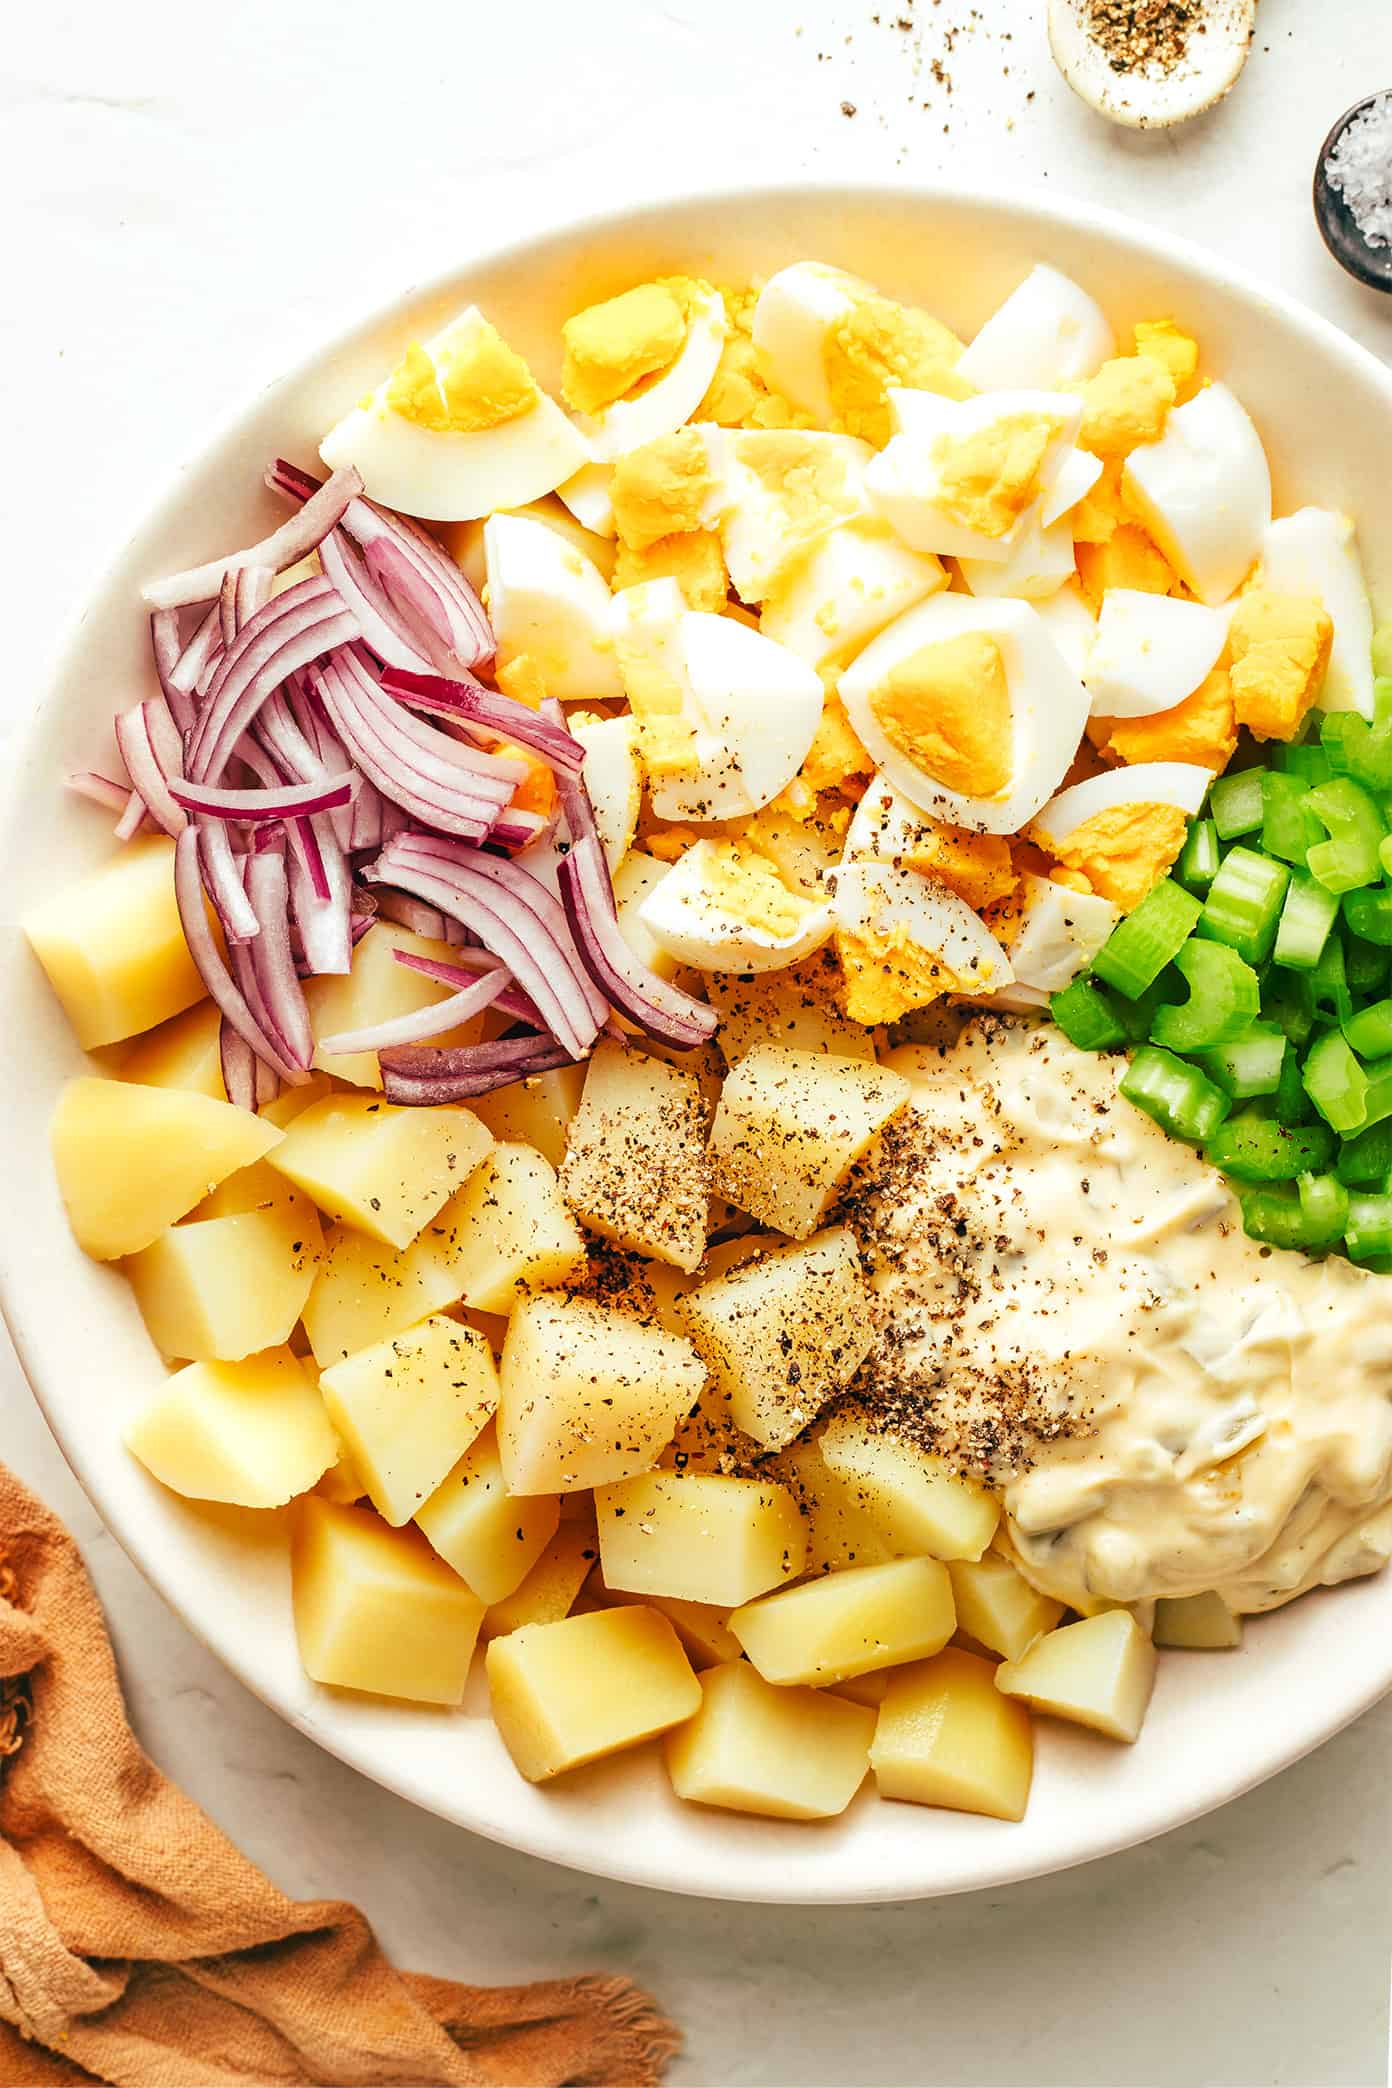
686	920
546	598
1179	783
1149	652
1315	552
1204	492
1048	332
874	900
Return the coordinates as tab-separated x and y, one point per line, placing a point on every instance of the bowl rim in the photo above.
536	232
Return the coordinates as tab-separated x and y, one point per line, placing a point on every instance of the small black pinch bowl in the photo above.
1338	228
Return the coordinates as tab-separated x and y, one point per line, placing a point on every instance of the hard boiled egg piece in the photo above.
1075	475
725	908
662	404
1203	491
970	709
613	778
1315	552
1070	623
548	600
831	345
1123	829
1150	652
464	540
960	475
1060	933
458	429
780	491
798	309
1048	332
829	602
1040	559
905	940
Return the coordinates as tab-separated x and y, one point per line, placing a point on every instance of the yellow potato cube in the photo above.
534	1112
113	946
703	1628
637	875
253	1434
1199	1623
917	1499
255	1188
997	1606
408	1409
865	1689
839	1532
946	1736
635	1169
366	1292
490	1539
375	1609
385	1170
226	1287
779	1335
564	1694
588	1395
133	1160
848	1623
793	1754
1098	1673
790	1127
342	1481
378	990
294	1101
508	1232
699	1536
181	1053
549	1591
794	1007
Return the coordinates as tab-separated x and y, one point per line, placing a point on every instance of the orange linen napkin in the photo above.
138	1947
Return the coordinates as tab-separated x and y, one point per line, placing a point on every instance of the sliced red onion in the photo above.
410	913
511	1000
293	540
472	704
100	790
267	1085
366	829
164	644
423	1023
268	890
132	819
287	801
298	626
251	591
321	896
239	1063
426	1076
460	791
386	633
222	873
193	915
227	605
153	753
512	829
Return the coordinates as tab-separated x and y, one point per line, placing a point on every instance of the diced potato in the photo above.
256	1188
291	1102
793	1754
702	1060
375	1609
916	1498
865	1689
342	1481
1098	1673
490	1539
1199	1623
113	946
780	1334
366	1292
508	1232
588	1395
635	1170
534	1112
182	1053
848	1623
997	1606
226	1287
637	875
549	1591
795	1007
946	1736
408	1409
564	1694
253	1433
703	1628
790	1127
839	1531
378	990
133	1160
699	1536
385	1170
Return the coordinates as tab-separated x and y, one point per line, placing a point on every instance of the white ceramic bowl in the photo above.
1220	1722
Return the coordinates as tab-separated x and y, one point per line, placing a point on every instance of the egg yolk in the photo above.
661	488
522	678
695	562
807	479
836	759
537	791
946	708
986	480
1125	404
740	395
746	887
610	347
1164	342
887	976
1202	729
667	741
473	381
1127	559
1123	851
1280	653
977	867
879	343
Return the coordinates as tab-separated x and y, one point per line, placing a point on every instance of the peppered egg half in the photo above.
725	907
904	940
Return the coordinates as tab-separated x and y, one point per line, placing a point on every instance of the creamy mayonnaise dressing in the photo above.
1167	1406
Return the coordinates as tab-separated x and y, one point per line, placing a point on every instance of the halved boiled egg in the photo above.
970	709
831	344
726	908
780	491
832	599
1060	933
1069	622
1203	491
1048	332
458	429
1150	652
959	476
904	941
613	778
547	600
726	716
1123	829
1315	552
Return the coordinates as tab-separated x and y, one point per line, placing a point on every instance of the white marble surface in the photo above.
193	198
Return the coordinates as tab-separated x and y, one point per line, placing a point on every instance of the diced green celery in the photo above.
1324	1202
1181	1099
1288	1000
1307	916
1199	858
1288	829
1329	986
1369	1228
1336	1083
1359	750
1086	1016
1369	1032
1369	915
1274	1217
1251	1064
1378	1106
1290	1104
1366	1157
1139	947
1349	858
1235	803
1244	903
1254	1148
1224	997
1136	1016
1366	967
1303	759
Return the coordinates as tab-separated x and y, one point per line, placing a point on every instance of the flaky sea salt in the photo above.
1360	168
